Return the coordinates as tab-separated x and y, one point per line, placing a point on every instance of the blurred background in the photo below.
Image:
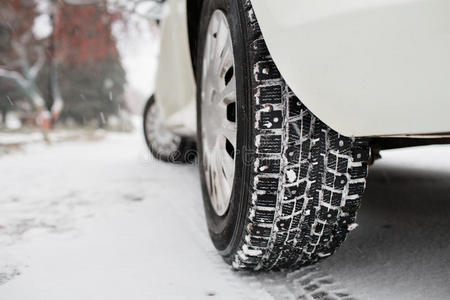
73	65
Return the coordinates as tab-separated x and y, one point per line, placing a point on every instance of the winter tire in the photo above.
295	184
163	144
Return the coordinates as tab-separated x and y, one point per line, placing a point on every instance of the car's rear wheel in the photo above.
280	188
162	143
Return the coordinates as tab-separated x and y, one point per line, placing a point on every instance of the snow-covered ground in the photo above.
103	220
21	139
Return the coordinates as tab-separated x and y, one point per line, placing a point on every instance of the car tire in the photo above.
297	183
163	144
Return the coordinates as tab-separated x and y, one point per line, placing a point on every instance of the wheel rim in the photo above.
162	141
218	111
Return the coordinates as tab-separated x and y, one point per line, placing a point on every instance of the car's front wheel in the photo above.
280	188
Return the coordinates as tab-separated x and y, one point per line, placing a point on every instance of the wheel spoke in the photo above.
228	168
228	94
229	131
225	58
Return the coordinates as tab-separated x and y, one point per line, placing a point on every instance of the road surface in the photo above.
103	220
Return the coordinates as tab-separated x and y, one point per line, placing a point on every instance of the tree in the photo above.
79	61
21	57
91	75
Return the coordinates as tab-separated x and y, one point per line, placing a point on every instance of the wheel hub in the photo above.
218	113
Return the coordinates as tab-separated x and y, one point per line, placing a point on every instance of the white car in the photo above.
287	102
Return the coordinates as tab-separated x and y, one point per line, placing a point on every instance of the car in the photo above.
285	104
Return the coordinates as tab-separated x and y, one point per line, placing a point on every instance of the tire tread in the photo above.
307	178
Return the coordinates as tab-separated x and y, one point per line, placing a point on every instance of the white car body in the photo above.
365	68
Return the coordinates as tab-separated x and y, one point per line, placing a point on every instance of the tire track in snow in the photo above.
309	283
9	272
191	213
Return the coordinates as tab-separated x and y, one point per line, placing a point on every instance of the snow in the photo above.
104	220
352	226
291	175
42	27
139	50
20	139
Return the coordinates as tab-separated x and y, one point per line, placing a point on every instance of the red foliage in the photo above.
83	34
18	15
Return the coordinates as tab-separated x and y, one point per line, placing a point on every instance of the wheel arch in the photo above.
194	8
